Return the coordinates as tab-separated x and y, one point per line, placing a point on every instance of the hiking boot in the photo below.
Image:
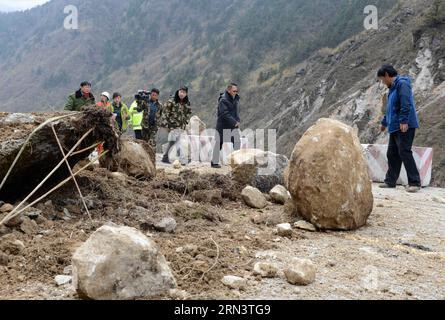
386	186
165	160
216	166
413	189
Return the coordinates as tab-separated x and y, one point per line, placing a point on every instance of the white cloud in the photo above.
15	5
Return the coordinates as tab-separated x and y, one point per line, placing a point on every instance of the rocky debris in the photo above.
177	165
42	153
120	263
234	282
253	197
7	207
10	245
301	272
260	169
17	118
136	158
279	194
29	226
166	225
62	280
328	177
284	230
213	197
304	225
265	270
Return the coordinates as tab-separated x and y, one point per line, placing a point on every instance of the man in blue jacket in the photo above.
228	123
401	121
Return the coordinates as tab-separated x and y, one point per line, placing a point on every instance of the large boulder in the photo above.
260	169
328	177
135	158
120	263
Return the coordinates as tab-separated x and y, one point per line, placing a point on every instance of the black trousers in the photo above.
138	134
400	151
222	136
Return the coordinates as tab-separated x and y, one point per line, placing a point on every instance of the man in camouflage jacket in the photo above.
177	114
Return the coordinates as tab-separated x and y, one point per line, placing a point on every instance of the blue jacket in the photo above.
228	112
401	108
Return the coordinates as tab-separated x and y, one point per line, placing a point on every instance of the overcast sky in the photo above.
14	5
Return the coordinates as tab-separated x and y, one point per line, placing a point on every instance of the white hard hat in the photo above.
106	94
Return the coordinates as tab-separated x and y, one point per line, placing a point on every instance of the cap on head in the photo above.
106	94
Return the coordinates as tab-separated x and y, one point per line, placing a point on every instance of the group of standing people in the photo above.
147	115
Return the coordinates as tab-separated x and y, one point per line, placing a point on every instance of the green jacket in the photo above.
135	116
76	101
176	115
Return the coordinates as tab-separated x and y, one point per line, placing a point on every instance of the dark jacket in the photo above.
228	111
401	108
76	101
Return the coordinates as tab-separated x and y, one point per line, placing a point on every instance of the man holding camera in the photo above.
152	112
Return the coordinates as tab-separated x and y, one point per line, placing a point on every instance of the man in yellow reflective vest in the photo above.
136	120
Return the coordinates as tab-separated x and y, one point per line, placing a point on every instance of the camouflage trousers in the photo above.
149	135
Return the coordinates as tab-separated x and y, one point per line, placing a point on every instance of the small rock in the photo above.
234	282
29	226
254	198
6	208
279	194
15	221
33	213
284	230
63	280
41	220
166	225
304	225
177	294
188	203
301	272
9	244
259	218
121	177
177	165
265	270
191	249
